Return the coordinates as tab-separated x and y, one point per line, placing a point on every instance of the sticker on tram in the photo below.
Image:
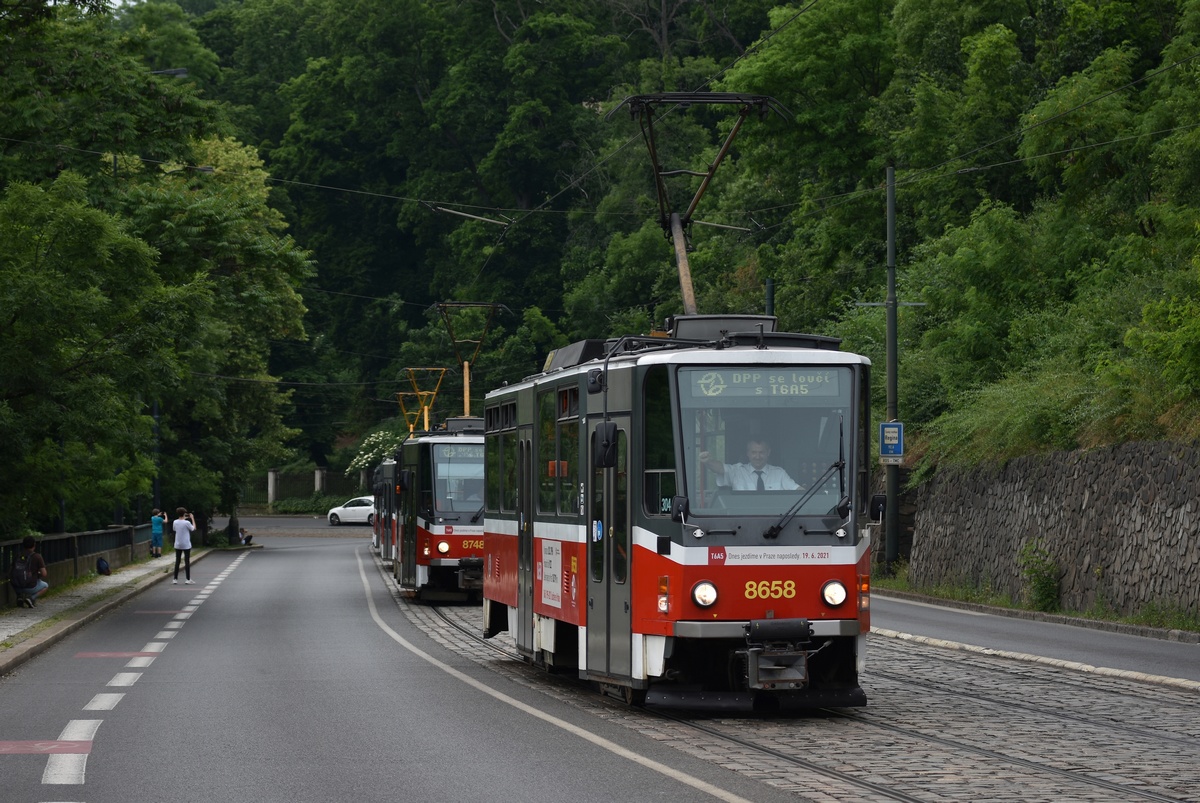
751	556
550	573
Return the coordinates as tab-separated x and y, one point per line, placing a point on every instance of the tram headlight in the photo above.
834	593
443	547
704	594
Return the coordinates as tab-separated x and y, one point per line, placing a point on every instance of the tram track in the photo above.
794	767
683	722
1008	704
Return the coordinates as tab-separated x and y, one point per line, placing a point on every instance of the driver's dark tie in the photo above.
761	487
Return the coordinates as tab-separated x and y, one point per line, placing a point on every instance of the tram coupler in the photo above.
470	574
776	653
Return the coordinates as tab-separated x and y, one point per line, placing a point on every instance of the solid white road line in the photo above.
612	747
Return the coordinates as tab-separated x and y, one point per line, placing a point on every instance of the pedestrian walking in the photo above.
183	526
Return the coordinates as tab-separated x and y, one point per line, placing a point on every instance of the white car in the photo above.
360	510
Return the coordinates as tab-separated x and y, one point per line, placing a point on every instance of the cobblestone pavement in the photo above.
940	725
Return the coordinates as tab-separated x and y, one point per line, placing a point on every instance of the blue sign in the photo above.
891	442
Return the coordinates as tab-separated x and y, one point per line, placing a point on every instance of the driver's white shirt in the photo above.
741	477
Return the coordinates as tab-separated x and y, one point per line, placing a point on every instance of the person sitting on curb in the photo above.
35	570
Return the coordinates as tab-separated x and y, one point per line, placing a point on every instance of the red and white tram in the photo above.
439	533
615	550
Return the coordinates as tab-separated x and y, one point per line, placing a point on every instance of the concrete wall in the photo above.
1121	523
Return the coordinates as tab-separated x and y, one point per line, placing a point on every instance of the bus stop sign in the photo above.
891	443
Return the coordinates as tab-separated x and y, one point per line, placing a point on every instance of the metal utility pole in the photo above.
892	512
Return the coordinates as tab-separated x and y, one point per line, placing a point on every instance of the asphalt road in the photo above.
290	674
1098	648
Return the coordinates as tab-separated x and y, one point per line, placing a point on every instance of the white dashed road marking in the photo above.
70	768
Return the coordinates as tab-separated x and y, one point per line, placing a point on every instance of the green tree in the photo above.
88	338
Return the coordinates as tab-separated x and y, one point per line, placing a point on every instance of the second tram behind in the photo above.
614	550
436	487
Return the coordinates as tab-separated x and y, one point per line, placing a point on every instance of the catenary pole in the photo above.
892	513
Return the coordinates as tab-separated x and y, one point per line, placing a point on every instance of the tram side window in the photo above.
568	464
658	435
508	460
491	456
425	478
620	525
596	537
864	438
547	454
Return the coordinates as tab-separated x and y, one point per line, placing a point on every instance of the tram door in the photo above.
525	493
410	507
608	615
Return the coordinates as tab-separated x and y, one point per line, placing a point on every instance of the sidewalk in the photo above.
26	632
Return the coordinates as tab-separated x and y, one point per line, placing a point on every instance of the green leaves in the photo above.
83	333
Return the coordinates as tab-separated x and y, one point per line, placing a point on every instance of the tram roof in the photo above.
771	348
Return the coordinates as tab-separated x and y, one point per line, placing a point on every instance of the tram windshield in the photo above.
458	477
758	438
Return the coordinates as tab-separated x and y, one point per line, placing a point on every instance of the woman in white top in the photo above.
183	526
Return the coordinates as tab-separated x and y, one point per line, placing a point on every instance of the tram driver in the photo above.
756	474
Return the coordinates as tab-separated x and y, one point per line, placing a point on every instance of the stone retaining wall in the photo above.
1121	523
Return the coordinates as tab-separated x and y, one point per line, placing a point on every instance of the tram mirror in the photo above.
595	381
403	481
878	506
604	445
680	509
843	508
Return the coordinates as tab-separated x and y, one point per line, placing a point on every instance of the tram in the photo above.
619	546
438	511
383	523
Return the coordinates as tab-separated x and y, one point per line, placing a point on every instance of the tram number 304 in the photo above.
774	589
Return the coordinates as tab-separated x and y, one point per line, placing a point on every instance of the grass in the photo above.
1156	616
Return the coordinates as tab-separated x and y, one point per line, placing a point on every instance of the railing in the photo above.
73	555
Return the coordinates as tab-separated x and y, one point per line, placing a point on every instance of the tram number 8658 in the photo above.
774	589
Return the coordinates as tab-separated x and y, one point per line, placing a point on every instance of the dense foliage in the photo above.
426	152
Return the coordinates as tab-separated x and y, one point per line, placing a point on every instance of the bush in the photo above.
316	504
1041	575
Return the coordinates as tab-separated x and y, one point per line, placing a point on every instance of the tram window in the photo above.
658	439
492	474
568	466
659	490
620	524
596	536
508	460
547	459
864	437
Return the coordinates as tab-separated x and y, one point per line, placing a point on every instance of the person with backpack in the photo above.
28	576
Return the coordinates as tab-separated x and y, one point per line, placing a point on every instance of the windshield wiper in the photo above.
839	465
478	513
775	529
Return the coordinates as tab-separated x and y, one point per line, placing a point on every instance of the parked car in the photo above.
359	510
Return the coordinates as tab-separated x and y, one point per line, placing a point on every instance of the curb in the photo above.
1182	636
32	647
